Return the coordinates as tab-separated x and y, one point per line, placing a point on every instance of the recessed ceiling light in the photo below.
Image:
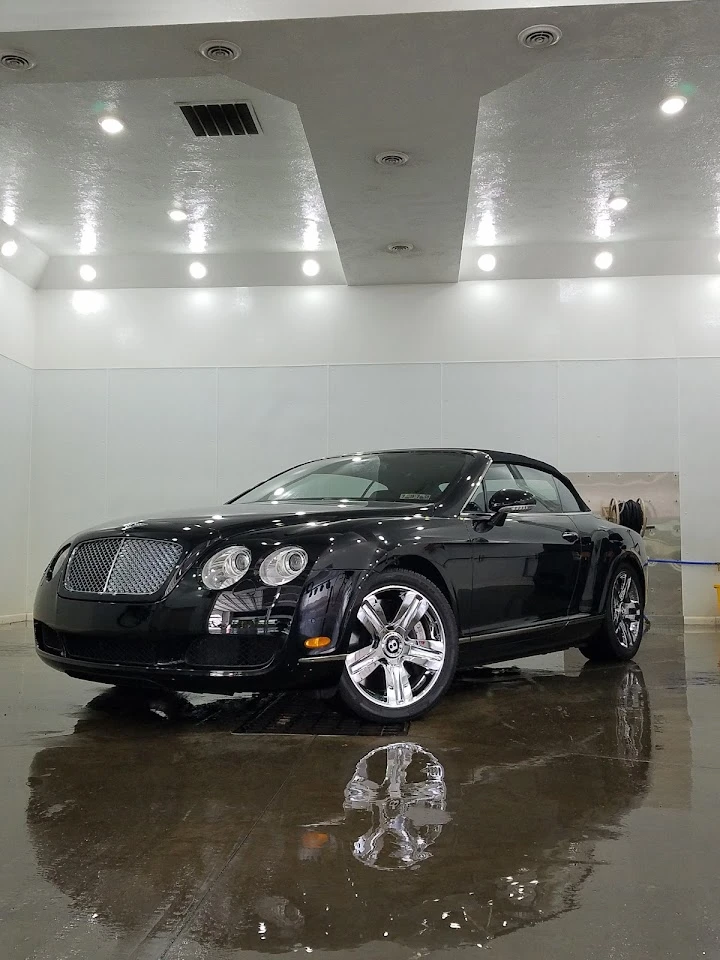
177	215
618	203
311	268
673	104
111	125
604	260
487	262
198	270
9	248
9	216
87	273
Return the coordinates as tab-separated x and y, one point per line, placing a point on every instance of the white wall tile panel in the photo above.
17	323
68	479
269	419
375	407
618	415
503	320
699	409
15	407
502	406
162	440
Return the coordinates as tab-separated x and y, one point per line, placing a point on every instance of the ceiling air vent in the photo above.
221	119
14	60
392	158
219	51
539	35
402	246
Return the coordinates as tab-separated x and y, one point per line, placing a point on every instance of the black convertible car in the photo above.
376	574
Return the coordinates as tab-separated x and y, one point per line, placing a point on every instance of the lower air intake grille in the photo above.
121	566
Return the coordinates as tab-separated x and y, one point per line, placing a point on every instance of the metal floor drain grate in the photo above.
295	714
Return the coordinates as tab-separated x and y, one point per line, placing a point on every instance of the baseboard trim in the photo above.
14	618
702	621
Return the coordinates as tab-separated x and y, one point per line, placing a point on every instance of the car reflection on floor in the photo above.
430	844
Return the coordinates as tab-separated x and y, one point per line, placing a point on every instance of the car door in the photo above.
525	571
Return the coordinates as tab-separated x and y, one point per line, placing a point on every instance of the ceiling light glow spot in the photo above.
198	240
111	125
604	260
311	268
486	235
88	239
311	236
9	216
87	302
487	262
87	273
603	227
198	270
9	248
177	216
674	104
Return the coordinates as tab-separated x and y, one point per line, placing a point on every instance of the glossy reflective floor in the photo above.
561	814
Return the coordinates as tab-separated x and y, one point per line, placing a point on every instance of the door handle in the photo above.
571	536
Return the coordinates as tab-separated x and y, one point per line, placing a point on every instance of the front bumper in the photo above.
316	674
172	642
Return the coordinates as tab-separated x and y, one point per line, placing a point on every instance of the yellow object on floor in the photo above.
717	587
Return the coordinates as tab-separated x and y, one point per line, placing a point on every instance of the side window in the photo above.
498	477
567	498
542	486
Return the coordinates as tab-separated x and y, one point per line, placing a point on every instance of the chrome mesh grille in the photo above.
121	565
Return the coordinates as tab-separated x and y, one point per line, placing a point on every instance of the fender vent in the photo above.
221	119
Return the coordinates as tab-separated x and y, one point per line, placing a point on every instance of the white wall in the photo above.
16	355
182	396
17	328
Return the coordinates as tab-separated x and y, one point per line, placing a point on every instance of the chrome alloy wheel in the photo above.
401	647
626	610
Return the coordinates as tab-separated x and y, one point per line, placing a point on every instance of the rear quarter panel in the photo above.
604	546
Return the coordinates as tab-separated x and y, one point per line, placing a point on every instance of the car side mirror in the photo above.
509	501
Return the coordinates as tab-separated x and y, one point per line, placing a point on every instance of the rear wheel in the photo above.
621	633
403	648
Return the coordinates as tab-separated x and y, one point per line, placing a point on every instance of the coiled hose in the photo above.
629	513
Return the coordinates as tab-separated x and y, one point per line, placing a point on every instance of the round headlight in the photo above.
283	566
226	567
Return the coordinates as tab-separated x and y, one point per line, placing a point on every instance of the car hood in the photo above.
228	520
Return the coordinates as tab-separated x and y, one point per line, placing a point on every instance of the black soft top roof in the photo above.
498	456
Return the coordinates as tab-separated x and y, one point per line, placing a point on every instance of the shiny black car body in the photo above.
515	561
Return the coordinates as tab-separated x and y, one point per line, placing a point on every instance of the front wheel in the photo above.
621	633
403	648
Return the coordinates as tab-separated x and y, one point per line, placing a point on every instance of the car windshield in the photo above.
417	476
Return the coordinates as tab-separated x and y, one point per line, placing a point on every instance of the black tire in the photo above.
612	641
437	680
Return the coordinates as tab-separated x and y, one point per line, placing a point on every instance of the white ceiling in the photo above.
257	193
77	14
511	150
554	146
